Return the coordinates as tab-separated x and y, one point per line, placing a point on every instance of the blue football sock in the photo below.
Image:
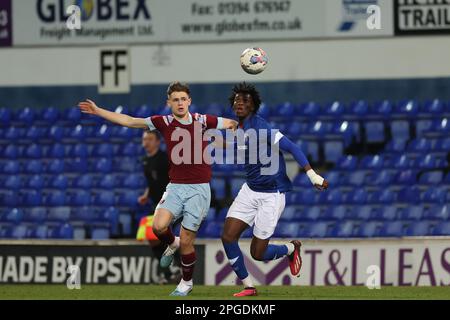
274	252
236	259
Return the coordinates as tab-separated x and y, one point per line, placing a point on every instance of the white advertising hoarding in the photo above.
346	262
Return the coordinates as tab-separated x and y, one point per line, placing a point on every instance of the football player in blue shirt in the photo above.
261	200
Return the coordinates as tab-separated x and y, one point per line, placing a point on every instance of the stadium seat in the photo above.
290	213
5	117
56	199
435	107
372	162
34	133
434	195
406	177
33	198
438	212
318	229
335	213
286	230
49	115
348	163
10	167
128	198
103	165
295	129
381	178
57	151
442	229
105	199
286	110
84	181
103	150
13	134
421	228
358	196
308	197
56	133
310	110
111	216
55	166
34	151
344	229
400	130
426	162
310	214
13	182
401	162
443	145
14	216
80	198
432	178
333	197
18	232
407	108
36	214
60	214
11	152
64	231
100	233
335	109
107	182
412	213
421	145
35	182
382	108
59	182
129	149
37	232
25	116
363	213
374	131
392	229
219	187
333	150
384	196
134	181
396	146
357	178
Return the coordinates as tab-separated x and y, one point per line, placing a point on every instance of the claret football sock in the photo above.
167	236
187	265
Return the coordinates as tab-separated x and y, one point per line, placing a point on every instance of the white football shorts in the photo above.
259	208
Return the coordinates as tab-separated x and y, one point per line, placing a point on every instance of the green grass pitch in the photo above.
148	292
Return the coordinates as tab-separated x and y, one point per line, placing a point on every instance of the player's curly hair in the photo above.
246	88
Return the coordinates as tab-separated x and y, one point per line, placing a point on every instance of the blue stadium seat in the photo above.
37	232
34	133
407	108
290	213
334	178
286	110
384	196
333	151
103	133
213	229
358	196
33	198
435	107
11	152
134	181
347	163
10	167
434	195
443	145
35	182
359	108
13	134
438	212
374	131
421	228
319	128
129	149
333	197
128	198
84	181
103	165
34	151
336	213
107	182
412	213
381	178
56	199
442	229
382	108
59	182
264	110
432	177
236	184
318	229
5	117
36	214
357	178
310	110
60	214
335	109
308	197
55	166
80	198
401	162
427	162
64	231
100	233
25	116
363	213
295	129
18	232
392	229
406	177
110	216
103	150
396	146
423	126
49	115
409	195
344	229
420	145
14	215
385	213
72	114
56	133
105	199
57	151
373	162
219	187
310	213
13	182
286	230
143	111
79	150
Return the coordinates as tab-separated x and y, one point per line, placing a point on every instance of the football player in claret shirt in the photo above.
188	194
261	200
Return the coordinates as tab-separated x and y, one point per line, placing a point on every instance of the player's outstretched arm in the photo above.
90	107
287	145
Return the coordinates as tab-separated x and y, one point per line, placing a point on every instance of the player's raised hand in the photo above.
322	187
317	181
88	106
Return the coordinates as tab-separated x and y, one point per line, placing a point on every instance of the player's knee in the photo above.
227	237
256	255
158	229
186	242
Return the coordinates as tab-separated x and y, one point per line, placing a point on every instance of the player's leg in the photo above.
266	220
197	198
168	210
239	217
